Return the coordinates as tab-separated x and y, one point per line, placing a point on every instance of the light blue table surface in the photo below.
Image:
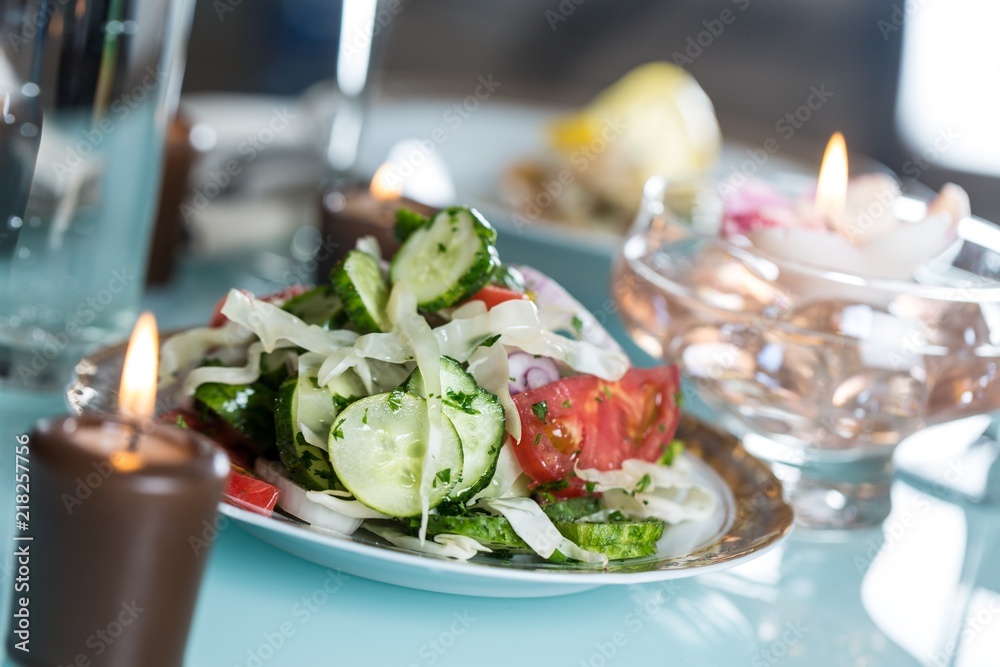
899	595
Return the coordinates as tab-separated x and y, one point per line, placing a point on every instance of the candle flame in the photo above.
383	188
137	394
831	190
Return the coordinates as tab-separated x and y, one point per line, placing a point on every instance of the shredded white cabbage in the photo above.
377	369
186	349
294	499
560	311
644	490
519	326
370	245
351	508
245	374
278	328
466	310
516	322
312	437
414	330
489	368
459	547
534	527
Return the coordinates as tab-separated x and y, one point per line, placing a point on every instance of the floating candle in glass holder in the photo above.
863	225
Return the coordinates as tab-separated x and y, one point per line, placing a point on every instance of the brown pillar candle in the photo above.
351	210
112	577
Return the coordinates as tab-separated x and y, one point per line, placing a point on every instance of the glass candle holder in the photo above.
821	371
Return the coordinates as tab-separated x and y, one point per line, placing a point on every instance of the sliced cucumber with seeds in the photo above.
407	222
320	306
302	402
359	283
377	447
479	419
616	540
276	366
572	509
510	278
494	532
449	260
248	408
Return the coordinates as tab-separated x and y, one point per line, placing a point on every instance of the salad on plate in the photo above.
443	401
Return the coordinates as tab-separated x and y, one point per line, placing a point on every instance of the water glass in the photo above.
87	88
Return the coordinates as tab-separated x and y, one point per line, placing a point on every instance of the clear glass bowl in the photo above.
822	372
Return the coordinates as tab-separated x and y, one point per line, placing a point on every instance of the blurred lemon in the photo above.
655	120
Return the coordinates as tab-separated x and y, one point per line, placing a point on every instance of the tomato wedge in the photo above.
492	295
278	298
586	422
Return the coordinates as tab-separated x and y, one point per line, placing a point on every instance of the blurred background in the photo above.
912	81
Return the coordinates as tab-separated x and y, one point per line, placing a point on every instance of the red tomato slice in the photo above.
493	295
277	298
591	423
246	489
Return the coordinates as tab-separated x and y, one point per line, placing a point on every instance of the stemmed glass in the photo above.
821	372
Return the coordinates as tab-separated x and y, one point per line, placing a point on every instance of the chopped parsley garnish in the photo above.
607	391
567	404
341	402
662	428
180	422
489	341
541	410
395	399
538	439
315	383
617	516
364	417
441	248
545	491
461	401
643	484
551	487
590	486
338	432
577	325
444	475
672	453
679	398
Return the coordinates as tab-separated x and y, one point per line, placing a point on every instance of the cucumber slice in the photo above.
449	260
407	222
572	509
617	540
510	278
275	367
377	447
479	419
494	532
300	401
360	285
248	408
320	306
